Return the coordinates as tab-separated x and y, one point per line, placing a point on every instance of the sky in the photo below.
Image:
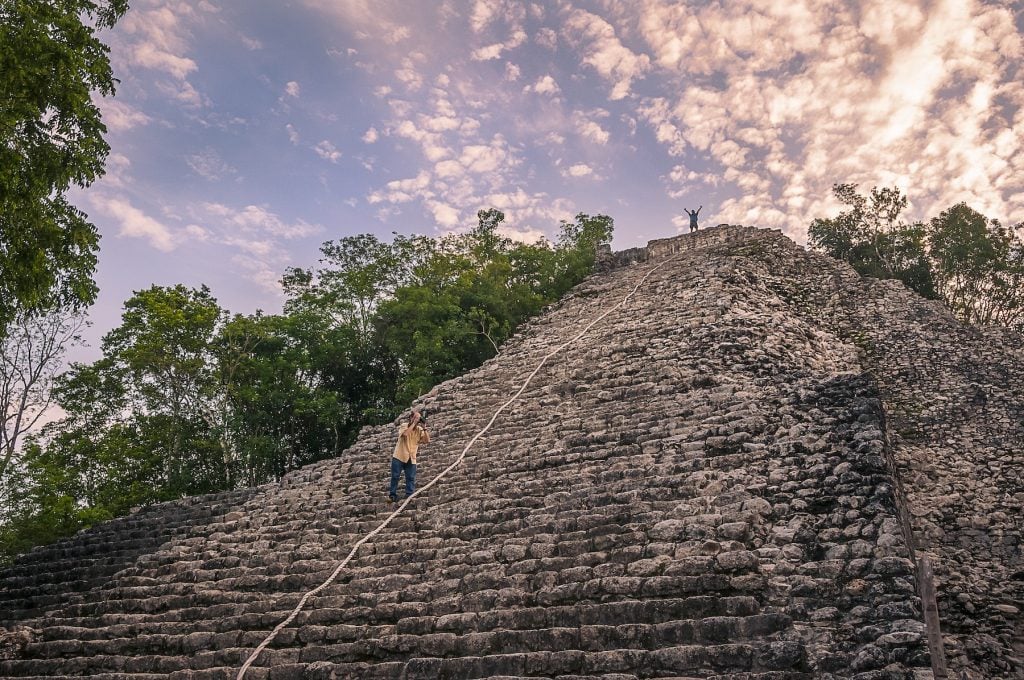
245	133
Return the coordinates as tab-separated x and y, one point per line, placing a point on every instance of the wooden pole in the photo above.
931	618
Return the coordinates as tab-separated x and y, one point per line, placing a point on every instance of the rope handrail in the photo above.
341	565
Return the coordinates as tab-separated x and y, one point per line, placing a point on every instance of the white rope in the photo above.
435	480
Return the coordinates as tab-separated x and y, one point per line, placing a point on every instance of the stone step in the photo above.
764	661
399	548
592	649
350	622
475	594
106	676
355	645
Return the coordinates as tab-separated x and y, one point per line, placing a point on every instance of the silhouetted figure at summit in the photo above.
693	217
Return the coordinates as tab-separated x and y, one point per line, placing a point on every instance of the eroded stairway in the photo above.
701	487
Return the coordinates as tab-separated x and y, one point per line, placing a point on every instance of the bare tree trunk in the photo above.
30	356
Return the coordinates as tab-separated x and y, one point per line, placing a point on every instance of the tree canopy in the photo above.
51	137
974	264
872	236
979	267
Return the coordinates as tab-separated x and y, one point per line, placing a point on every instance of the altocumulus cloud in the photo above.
154	37
134	223
754	107
788	98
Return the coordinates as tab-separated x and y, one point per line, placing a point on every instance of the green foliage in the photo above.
188	399
578	243
51	137
874	240
40	508
281	408
979	267
161	353
973	264
468	295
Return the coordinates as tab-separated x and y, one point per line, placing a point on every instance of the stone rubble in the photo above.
730	478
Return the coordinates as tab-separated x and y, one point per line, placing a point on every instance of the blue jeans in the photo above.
397	468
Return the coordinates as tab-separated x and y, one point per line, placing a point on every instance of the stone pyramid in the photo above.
736	475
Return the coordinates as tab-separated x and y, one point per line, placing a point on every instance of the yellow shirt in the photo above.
409	441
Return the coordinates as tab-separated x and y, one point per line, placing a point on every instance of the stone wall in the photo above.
954	401
701	487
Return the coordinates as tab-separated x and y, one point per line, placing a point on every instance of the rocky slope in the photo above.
729	477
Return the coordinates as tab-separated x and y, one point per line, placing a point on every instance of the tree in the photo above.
30	356
979	267
89	466
873	238
285	404
163	349
577	248
51	137
356	273
473	291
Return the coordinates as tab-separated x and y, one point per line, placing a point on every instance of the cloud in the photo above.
293	135
489	52
680	181
254	234
483	13
257	269
546	38
495	50
250	43
197	233
370	136
327	151
603	50
456	122
183	92
553	139
486	158
525	209
291	89
384	21
156	36
589	129
449	169
403	190
681	222
119	116
148	55
134	223
259	219
762	105
444	214
209	165
578	170
116	171
409	74
432	143
544	85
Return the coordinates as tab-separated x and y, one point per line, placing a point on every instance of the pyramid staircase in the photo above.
700	487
